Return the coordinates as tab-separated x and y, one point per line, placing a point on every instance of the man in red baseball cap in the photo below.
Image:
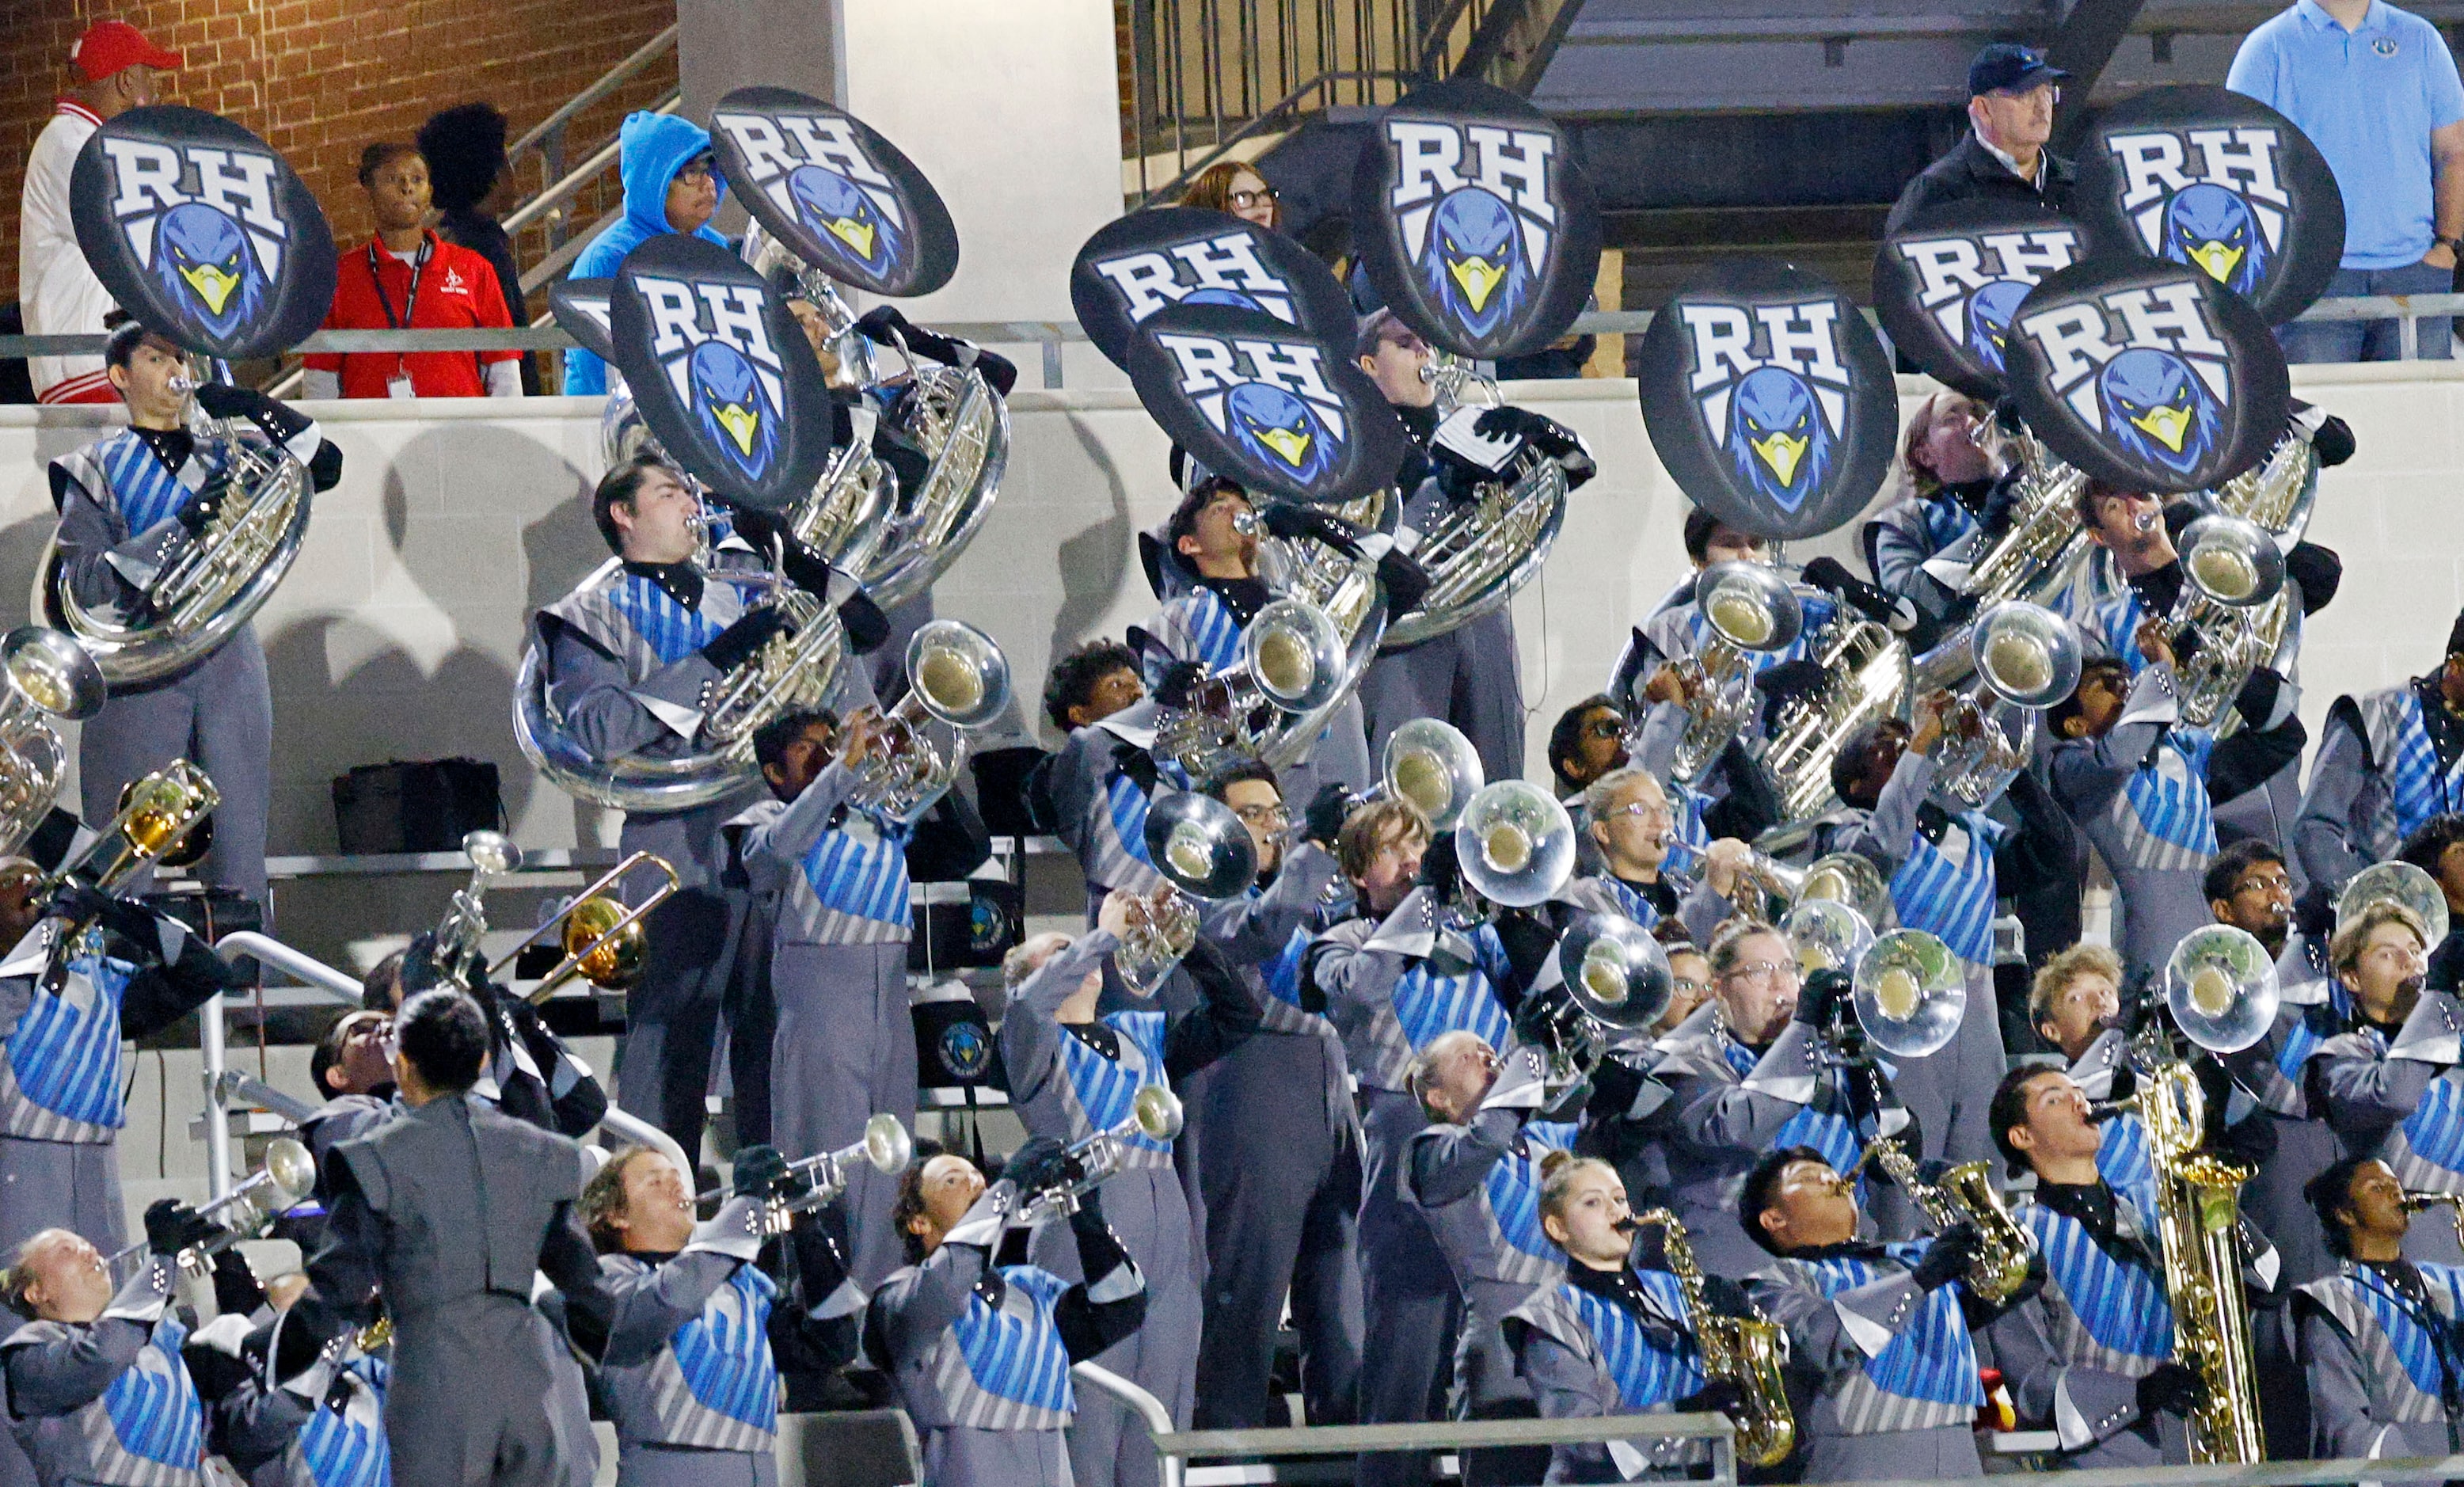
113	67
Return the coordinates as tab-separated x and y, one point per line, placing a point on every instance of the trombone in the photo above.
1154	1114
286	1177
1203	850
884	1147
602	939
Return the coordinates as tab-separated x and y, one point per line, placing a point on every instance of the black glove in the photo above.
2319	570
1292	521
880	322
200	509
2446	970
1440	871
135	922
1948	1259
1041	1162
2172	1388
1614	1083
742	640
1175	681
1137	766
172	1226
1789	679
2334	442
758	1169
1999	503
1321	822
1405	581
2314	912
1536	429
1832	576
1821	995
228	400
216	1373
1721	1396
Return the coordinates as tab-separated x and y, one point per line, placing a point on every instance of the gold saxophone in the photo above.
1965	1195
1747	1352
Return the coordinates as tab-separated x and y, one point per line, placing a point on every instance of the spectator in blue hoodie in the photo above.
671	186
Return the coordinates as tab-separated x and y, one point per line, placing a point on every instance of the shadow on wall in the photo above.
1093	564
560	547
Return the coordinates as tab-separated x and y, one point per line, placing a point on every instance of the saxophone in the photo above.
1747	1352
1966	1195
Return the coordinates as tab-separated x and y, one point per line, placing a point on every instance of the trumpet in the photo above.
1201	848
286	1177
956	675
2415	1201
1154	1114
885	1147
602	939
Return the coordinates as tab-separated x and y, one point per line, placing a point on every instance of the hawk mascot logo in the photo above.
833	203
1968	280
2215	198
203	222
1772	390
1269	399
1149	261
1472	205
714	347
833	191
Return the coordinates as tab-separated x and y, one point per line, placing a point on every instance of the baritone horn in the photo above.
1750	608
1515	844
1154	1115
1203	850
2220	986
1431	765
2027	659
955	676
284	1179
49	676
2405	884
1613	980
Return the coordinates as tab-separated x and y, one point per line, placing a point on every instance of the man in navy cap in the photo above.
2012	91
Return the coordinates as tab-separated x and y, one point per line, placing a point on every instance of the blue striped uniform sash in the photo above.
1208	634
2301	1039
147	492
342	1452
2414	1345
1935	1358
1513	1189
670	630
1128	806
1282	977
2122	1160
1947	522
860	874
1427	1004
1105	1087
724	1353
1952	901
2165	800
65	1052
1813	1124
1630	903
1644	1373
1021	1359
154	1409
1688	835
2118	624
2124	1307
2434	1130
2417	785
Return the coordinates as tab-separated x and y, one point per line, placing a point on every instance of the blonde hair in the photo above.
2057	974
1026	957
1558	1170
1723	952
2353	935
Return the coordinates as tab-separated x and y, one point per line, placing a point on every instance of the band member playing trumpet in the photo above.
631	655
1750	1070
980	1344
66	1013
2093	1351
1613	1336
133	505
1632	825
1273	1136
2380	1340
2387	763
699	1331
1097	788
1880	1335
1072	1074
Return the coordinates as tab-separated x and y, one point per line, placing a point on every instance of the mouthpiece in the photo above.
1629	1224
2102	1110
2147	521
2414	1202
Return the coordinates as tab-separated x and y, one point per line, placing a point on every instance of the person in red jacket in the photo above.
407	277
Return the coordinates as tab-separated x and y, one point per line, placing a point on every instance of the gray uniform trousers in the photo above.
846	1049
219	715
60	1185
1147	1209
1468	676
1410	1306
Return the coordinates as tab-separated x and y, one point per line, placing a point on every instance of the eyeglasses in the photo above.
1610	727
1241	199
1763	973
1688	987
1648	810
696	173
1263	815
2275	884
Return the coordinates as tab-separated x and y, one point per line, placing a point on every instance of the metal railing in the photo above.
550	139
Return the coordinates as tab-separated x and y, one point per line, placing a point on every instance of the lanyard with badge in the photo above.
398	385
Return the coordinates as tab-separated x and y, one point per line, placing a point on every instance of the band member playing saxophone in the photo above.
2380	1340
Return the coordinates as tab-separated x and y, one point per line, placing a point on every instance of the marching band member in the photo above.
349	1067
448	1208
1392	980
2436	846
1278	1173
2387	764
2380	1344
1474	1172
1072	1074
1880	1335
65	1015
1095	791
1632	825
2092	1351
99	1393
2074	1005
133	504
631	654
1611	1338
697	1330
1952	491
979	1345
845	1046
671	186
323	1428
1587	742
1749	1071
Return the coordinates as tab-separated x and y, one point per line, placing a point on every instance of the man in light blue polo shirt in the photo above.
2375	89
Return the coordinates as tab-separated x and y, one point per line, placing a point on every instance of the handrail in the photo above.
1149	1409
580	176
2264	1474
1271	113
608	82
1337	1440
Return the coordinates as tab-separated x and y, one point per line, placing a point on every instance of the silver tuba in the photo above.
2277	492
2026	659
1865	676
1479	552
957	677
49	676
218	579
2235	600
1750	608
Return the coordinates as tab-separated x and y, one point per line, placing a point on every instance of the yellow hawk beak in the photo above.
1782	453
1292	444
212	285
2169	425
2218	259
741	421
1478	278
857	235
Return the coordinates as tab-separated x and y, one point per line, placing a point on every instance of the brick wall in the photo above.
320	78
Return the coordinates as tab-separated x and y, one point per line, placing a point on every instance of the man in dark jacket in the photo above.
2012	91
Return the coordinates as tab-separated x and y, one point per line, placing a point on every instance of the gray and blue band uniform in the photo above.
2077	1353
1069	1080
2313	1007
1603	1342
2387	764
110	1403
66	1014
632	654
1478	1183
531	1074
2103	1072
2398	1094
1729	1103
450	1209
323	1428
979	1345
1101	784
1391	987
2384	1358
1470	676
690	1370
1889	1365
130	505
845	1047
1276	1144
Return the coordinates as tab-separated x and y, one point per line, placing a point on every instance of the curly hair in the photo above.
465	146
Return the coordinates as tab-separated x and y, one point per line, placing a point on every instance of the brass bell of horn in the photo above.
2220	986
2233	561
1435	767
1749	604
2402	881
1515	844
1911	994
1295	655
